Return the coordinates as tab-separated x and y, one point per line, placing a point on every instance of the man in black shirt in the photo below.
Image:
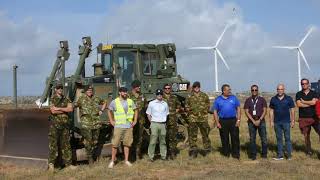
306	100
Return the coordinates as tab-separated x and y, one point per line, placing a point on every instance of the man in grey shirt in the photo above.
123	116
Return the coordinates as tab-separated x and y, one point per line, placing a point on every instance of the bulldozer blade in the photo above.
24	136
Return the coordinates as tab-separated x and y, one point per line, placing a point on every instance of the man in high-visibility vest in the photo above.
123	115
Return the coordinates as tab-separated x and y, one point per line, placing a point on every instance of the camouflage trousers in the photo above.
172	142
138	131
193	135
91	137
59	140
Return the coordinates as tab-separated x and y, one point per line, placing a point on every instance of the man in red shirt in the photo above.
306	100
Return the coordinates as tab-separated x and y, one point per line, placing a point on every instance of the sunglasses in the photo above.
253	90
304	84
167	88
280	89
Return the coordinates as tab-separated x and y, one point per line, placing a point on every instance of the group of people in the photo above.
127	115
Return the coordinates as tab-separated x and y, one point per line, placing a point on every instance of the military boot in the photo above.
138	154
90	160
173	155
205	152
193	154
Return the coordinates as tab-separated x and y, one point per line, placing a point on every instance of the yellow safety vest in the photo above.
120	116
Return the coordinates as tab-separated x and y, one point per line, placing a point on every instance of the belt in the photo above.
230	118
158	122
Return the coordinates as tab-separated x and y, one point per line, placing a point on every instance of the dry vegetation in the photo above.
213	166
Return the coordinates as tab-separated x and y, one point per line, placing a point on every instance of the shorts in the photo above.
122	134
306	123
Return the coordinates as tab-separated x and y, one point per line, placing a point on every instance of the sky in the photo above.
30	32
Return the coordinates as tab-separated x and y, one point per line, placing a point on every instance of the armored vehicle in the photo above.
117	65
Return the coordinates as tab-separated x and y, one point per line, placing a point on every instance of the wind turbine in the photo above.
299	53
216	52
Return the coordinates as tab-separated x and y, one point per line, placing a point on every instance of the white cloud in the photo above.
245	46
29	46
33	42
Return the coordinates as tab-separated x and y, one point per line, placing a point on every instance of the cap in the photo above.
168	84
87	87
123	89
159	92
59	85
135	83
196	84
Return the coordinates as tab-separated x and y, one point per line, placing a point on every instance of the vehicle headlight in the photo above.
175	87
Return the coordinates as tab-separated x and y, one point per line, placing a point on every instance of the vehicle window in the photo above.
150	63
126	61
107	62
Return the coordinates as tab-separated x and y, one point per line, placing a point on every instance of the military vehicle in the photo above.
117	66
315	86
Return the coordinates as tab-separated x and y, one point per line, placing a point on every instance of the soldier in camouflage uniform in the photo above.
90	111
172	126
197	106
59	129
141	103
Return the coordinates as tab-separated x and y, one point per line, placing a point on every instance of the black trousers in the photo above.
228	127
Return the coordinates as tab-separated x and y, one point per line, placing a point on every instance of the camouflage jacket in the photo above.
198	106
59	120
140	102
89	111
174	104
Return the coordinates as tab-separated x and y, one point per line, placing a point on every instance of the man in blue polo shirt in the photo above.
227	116
282	118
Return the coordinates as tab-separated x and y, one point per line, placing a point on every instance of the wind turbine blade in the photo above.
224	61
220	37
285	47
304	58
208	47
305	37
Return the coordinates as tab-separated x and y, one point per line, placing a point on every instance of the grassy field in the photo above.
213	166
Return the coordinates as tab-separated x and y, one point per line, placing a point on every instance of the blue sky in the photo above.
270	14
32	29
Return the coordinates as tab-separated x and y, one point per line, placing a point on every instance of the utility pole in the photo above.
15	98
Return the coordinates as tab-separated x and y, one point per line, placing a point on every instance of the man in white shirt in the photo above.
157	112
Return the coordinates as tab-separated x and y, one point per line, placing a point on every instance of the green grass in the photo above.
214	166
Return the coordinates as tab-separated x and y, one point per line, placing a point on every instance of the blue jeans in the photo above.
280	129
263	136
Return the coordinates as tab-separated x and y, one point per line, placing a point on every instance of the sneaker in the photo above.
110	166
163	159
128	163
278	158
289	158
151	160
50	167
309	153
264	156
